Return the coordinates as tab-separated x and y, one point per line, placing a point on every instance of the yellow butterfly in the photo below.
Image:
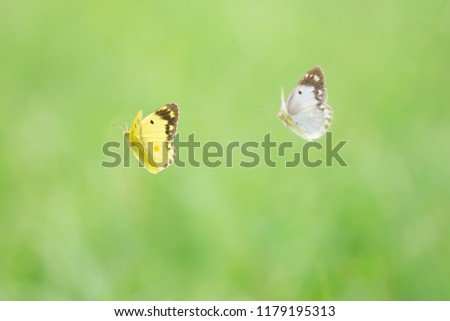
151	138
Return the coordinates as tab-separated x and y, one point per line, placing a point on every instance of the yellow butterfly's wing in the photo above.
151	138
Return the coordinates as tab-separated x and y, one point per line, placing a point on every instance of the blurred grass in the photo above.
73	230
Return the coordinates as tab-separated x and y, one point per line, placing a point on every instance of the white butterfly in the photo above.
306	112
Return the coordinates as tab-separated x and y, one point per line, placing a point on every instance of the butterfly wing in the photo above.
161	125
306	106
151	138
158	131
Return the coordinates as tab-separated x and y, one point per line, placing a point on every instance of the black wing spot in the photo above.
299	92
151	121
169	113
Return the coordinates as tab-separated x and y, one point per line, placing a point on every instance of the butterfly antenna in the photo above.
266	111
115	125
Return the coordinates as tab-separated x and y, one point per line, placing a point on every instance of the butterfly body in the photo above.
306	112
151	138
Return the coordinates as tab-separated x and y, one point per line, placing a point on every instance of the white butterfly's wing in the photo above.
306	105
283	108
314	122
309	92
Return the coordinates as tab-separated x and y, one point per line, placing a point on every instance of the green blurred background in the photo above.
73	230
